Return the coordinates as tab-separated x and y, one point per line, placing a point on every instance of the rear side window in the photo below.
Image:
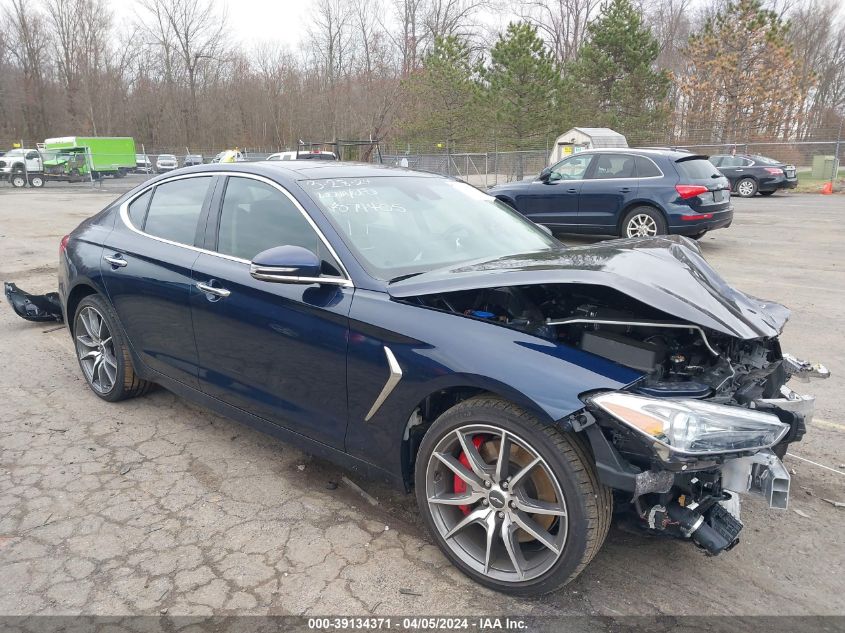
717	160
697	169
138	210
646	168
256	216
175	209
613	166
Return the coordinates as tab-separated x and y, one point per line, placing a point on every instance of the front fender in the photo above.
436	350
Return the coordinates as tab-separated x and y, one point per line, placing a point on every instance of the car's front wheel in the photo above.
18	179
514	504
103	353
746	187
643	222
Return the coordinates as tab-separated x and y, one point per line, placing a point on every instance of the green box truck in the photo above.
103	155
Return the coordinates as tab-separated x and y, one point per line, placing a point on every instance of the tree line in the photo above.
433	73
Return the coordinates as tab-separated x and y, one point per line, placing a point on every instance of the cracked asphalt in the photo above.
155	504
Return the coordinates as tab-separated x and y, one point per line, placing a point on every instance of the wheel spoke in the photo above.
455	499
533	528
535	506
110	359
84	317
90	354
478	465
525	470
456	467
503	460
512	547
86	340
473	517
491	523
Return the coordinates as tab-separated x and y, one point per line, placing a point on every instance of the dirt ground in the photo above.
156	504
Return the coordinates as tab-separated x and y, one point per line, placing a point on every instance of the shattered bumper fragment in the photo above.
44	307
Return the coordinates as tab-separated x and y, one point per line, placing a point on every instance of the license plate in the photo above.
719	195
790	173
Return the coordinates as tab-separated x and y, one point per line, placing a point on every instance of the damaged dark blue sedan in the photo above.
413	328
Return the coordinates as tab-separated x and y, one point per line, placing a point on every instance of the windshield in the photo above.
167	157
399	226
14	152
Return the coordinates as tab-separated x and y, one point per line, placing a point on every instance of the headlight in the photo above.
693	427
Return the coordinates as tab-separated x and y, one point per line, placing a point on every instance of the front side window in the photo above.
175	209
257	216
572	168
404	225
610	166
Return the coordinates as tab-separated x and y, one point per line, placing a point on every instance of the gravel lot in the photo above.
155	504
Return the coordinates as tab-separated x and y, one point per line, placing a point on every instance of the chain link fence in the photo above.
814	160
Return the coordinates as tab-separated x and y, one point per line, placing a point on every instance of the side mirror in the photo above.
286	264
545	175
291	265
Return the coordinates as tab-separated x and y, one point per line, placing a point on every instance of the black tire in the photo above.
18	179
126	384
589	504
36	181
766	193
746	187
635	217
697	236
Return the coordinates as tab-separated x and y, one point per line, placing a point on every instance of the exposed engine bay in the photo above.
684	497
679	359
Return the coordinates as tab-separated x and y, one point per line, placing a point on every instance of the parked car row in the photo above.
165	162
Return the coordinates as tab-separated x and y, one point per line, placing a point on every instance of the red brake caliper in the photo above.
460	485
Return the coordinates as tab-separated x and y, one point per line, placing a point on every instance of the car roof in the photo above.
639	151
314	169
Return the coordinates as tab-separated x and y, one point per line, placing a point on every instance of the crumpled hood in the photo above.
667	273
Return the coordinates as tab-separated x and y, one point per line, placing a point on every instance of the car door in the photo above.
146	268
276	350
553	201
609	186
735	168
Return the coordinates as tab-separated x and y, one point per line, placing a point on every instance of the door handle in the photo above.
117	261
217	292
572	190
625	189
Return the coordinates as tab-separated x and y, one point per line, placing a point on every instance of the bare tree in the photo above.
562	23
28	44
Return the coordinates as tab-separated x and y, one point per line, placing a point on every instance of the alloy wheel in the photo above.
496	503
95	349
641	225
745	188
18	181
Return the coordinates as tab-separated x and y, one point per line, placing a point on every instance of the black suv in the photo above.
751	174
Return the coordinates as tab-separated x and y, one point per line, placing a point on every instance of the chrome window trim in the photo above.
592	153
124	216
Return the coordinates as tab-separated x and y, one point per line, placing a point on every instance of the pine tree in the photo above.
442	97
523	83
614	82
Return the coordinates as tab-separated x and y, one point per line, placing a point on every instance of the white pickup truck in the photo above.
20	166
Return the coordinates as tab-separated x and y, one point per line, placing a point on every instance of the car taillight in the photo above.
777	171
690	191
63	244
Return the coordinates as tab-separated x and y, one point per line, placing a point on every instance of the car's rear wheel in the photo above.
515	505
746	187
36	181
102	352
643	222
766	193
